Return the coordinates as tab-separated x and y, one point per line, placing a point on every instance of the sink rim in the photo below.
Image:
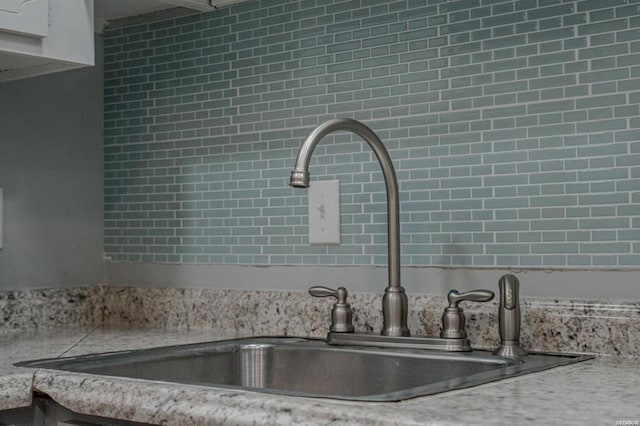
534	362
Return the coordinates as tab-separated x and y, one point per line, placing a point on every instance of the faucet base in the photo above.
431	343
510	349
395	309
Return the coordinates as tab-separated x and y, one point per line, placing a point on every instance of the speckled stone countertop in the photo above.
600	391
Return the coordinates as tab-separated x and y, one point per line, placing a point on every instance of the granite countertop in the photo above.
599	391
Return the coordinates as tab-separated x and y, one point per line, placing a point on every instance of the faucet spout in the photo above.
394	302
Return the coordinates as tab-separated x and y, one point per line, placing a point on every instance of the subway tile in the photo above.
601	27
602	125
528	118
601	248
555	34
608	75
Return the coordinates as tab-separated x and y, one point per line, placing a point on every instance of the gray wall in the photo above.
51	171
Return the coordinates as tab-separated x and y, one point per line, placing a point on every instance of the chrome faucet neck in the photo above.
394	302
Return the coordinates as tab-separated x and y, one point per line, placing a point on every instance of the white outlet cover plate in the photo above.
324	212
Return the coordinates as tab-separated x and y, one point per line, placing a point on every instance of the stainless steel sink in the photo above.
307	367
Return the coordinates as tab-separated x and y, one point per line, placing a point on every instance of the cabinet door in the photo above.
27	17
47	412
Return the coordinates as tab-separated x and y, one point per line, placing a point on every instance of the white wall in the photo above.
51	170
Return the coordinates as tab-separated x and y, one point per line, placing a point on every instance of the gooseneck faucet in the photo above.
394	302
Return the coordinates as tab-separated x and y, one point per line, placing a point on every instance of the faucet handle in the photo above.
453	318
341	314
454	297
320	291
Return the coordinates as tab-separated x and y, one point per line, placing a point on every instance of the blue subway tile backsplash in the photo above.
514	127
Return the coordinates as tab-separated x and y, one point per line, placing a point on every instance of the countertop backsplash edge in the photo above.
607	328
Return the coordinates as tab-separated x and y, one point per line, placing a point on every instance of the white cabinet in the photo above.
201	5
43	36
28	17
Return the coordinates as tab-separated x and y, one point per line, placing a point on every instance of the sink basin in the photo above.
308	367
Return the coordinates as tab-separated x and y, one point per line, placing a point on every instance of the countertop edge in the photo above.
178	404
16	390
